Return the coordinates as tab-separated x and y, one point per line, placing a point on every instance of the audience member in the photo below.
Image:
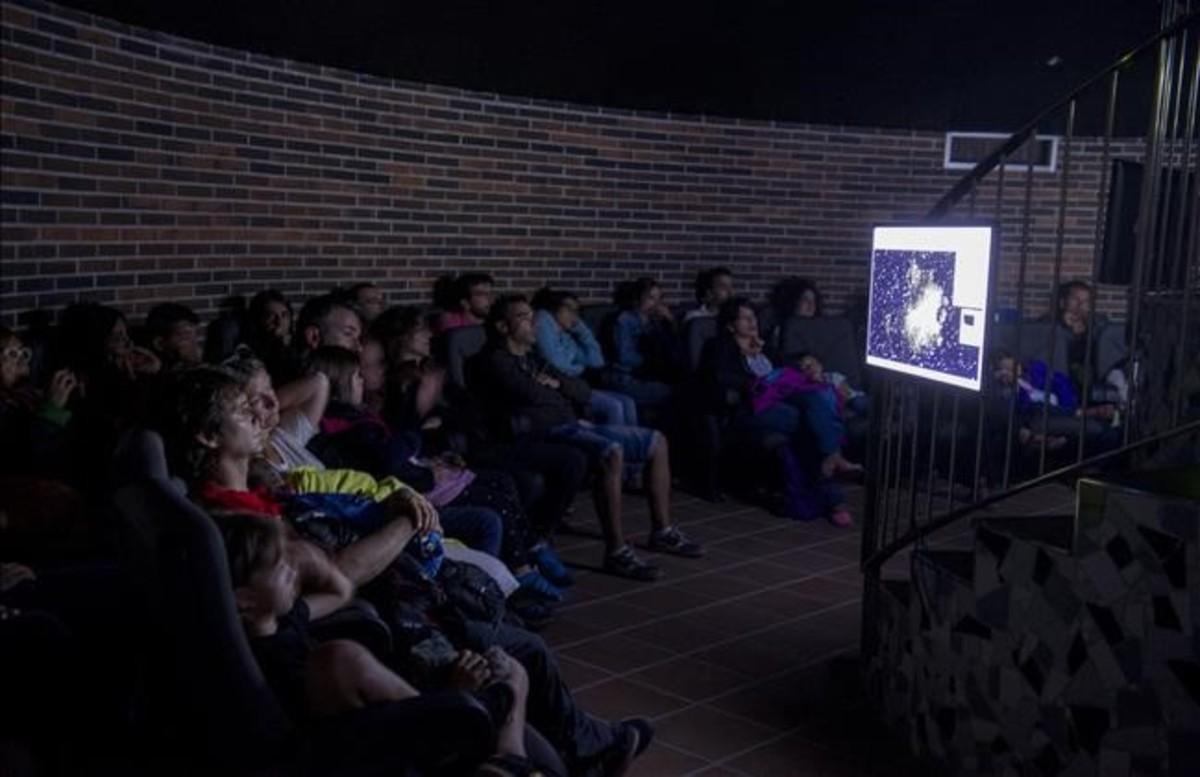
368	299
466	300
645	350
565	341
327	320
713	287
173	331
520	382
267	331
784	402
33	424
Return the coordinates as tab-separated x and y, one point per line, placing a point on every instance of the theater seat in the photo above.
210	705
829	338
696	333
221	338
459	345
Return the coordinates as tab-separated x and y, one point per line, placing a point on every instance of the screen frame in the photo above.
900	368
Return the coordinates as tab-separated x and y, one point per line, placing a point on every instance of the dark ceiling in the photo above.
928	64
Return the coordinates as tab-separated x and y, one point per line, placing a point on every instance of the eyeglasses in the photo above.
19	355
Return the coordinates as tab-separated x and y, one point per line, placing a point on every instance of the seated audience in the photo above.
115	380
268	333
851	401
713	287
1075	302
791	298
465	300
33	424
353	437
327	320
173	332
645	358
781	401
373	365
368	299
290	421
212	432
518	381
565	341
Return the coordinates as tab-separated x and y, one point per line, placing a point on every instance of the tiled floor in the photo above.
745	660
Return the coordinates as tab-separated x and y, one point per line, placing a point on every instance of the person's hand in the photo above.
453	459
13	574
416	508
432	422
756	345
548	381
470	672
508	670
62	385
140	361
663	312
443	470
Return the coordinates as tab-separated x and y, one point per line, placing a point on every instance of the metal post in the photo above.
1058	258
1101	203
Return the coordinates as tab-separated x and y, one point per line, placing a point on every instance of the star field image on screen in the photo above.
913	319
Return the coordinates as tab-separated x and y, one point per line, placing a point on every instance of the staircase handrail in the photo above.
976	174
879	557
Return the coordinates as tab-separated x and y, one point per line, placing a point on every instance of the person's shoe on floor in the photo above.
673	540
623	562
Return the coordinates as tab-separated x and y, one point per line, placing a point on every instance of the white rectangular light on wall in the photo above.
928	308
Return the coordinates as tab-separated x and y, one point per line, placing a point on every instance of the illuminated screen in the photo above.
929	295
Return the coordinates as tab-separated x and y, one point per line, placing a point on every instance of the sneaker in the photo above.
551	566
534	615
533	583
624	563
633	736
672	540
841	518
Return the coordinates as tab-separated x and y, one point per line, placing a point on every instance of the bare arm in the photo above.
322	585
309	395
363	560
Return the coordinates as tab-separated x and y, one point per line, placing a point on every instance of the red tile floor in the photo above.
746	660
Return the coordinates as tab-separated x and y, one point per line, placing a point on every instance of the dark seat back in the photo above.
221	338
829	338
459	345
211	695
596	314
696	334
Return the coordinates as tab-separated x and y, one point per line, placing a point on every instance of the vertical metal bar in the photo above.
953	451
1101	206
1025	228
912	478
884	409
1185	167
1057	278
1186	256
1174	92
932	464
894	495
1146	218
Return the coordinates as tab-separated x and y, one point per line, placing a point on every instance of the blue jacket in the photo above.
569	352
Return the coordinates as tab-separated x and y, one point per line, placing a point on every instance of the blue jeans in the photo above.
479	528
808	416
612	408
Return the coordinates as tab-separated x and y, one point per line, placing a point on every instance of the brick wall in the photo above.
139	167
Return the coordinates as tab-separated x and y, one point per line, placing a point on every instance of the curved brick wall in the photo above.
138	167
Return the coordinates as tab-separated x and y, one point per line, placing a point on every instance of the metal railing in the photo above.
913	487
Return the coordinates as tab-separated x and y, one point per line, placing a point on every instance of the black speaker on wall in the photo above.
1120	225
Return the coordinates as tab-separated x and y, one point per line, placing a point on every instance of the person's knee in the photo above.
659	445
613	460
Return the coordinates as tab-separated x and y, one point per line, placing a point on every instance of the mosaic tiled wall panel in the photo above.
1053	660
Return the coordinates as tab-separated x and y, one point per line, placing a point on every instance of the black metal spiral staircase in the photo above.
1063	643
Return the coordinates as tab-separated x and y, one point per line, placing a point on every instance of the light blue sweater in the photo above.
571	352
